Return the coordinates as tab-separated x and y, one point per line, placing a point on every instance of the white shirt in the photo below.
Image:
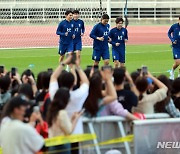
77	99
17	137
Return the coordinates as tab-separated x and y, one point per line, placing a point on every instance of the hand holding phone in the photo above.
144	70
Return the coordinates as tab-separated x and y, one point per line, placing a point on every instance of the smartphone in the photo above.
139	70
96	67
144	70
50	70
13	71
106	67
73	60
1	69
29	73
89	67
36	109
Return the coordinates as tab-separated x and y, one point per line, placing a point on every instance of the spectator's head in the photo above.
26	90
134	76
176	86
76	14
59	102
16	107
45	80
66	79
95	94
119	76
119	22
141	85
69	15
105	19
39	81
5	82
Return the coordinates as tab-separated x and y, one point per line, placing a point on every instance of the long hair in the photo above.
95	94
59	102
160	106
141	85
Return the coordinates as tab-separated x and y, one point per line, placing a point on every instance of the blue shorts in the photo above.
97	54
63	48
176	53
77	46
118	55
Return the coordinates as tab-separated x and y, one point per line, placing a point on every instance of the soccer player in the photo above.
79	32
119	36
100	45
174	36
66	32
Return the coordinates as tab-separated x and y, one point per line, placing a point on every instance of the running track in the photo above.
44	36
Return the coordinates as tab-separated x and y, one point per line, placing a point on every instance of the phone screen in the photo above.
13	71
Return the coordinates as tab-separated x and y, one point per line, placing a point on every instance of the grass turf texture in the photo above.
158	58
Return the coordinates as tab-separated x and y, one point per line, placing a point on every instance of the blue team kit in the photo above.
65	42
100	48
118	36
79	29
174	36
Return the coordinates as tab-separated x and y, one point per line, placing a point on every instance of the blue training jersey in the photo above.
79	29
174	34
63	27
118	36
100	30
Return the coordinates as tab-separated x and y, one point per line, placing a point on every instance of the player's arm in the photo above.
83	28
126	36
111	38
171	30
93	34
59	30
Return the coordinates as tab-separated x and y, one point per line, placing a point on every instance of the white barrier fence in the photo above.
111	127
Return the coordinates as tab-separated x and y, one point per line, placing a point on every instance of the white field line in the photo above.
84	53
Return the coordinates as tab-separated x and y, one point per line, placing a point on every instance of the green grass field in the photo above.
158	58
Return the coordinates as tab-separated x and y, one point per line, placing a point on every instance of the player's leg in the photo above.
105	55
122	57
96	56
176	55
61	52
69	52
78	49
115	56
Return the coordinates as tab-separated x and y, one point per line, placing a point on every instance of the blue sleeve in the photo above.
111	35
59	30
93	32
83	28
126	36
171	30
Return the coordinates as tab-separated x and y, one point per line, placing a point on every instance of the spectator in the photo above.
5	95
126	97
16	136
77	97
100	103
176	92
167	105
58	120
147	101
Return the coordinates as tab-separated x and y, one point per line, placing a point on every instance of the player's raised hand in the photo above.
66	34
100	38
117	44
